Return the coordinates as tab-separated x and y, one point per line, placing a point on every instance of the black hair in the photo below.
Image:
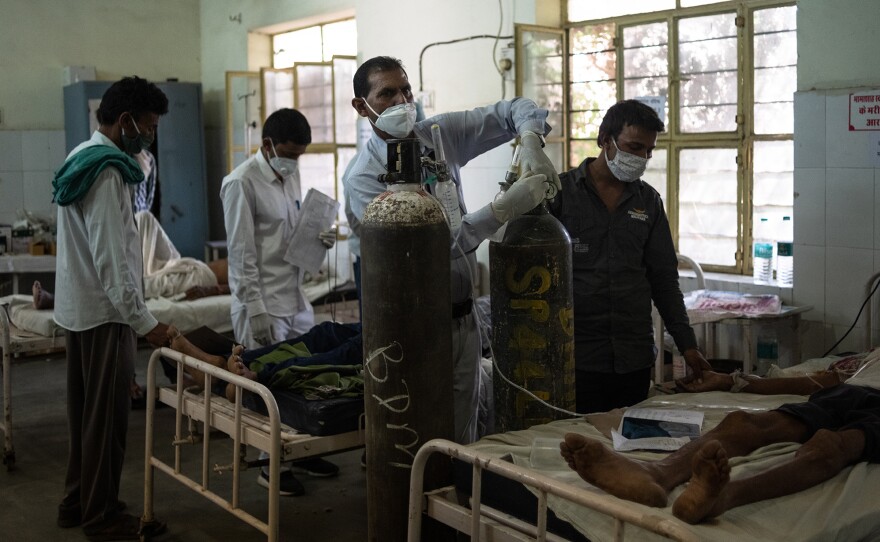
131	95
628	113
361	80
287	125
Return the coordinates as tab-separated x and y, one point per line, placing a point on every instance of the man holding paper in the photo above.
262	200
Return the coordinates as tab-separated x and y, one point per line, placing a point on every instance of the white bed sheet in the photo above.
843	508
185	315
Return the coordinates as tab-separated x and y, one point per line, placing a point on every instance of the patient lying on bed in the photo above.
326	360
838	426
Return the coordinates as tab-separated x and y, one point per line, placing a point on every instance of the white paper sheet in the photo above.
317	214
650	429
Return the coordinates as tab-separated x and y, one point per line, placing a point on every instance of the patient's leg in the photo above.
181	344
703	497
43	299
821	458
622	477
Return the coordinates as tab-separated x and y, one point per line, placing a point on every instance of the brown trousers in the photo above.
100	366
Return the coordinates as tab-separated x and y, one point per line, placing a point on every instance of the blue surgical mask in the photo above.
134	145
284	166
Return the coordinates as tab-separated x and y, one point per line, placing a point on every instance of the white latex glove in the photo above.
523	196
532	158
328	238
261	329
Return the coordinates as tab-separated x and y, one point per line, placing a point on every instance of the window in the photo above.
312	71
724	74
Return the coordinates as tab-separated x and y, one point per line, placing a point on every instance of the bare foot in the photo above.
42	298
236	366
612	472
181	344
702	497
711	381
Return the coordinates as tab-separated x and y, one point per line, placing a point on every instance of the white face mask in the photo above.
396	121
625	166
284	166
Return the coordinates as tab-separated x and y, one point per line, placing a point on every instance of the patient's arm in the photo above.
798	385
198	292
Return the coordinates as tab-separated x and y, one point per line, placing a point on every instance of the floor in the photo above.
331	509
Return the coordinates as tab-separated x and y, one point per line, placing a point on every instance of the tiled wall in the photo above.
28	160
837	223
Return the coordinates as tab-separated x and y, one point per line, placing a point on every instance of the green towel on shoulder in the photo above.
75	178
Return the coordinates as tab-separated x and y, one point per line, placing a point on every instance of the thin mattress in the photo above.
212	312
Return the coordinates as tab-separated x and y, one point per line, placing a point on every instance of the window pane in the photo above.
297	46
593	39
775	70
581	150
773	184
774	118
585	124
278	87
592	96
584	10
708	65
317	171
340	39
314	93
542	80
776	19
593	67
655	175
346	116
708	218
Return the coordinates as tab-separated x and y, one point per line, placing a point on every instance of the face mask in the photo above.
284	166
134	145
626	167
396	121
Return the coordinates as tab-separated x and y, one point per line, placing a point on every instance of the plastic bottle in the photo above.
785	254
762	262
768	351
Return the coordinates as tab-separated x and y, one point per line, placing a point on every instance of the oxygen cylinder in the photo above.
532	320
407	338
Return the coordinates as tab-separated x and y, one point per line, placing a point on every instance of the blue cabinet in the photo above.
179	151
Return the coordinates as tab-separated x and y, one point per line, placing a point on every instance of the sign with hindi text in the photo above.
864	111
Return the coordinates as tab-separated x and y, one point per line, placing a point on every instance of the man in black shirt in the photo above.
623	258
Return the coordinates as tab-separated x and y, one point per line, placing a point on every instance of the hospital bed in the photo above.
266	433
843	508
25	330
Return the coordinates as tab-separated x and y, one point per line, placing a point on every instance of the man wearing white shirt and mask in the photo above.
261	201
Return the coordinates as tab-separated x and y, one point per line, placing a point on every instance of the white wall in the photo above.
156	40
836	183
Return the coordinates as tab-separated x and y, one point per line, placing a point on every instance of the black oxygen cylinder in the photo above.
407	338
532	320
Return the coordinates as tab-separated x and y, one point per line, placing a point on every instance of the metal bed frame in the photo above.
247	428
15	342
481	522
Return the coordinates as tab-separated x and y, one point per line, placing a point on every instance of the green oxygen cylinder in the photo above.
532	320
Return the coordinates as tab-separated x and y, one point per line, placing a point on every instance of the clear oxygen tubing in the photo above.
445	189
512	174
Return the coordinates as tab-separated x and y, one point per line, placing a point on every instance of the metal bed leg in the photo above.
8	449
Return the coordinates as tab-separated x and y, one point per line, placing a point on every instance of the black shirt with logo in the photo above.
622	260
